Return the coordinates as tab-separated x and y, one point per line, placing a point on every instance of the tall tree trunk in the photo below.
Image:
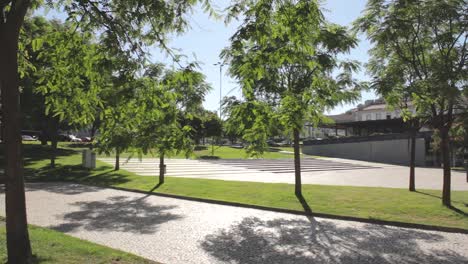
54	142
53	154
161	168
412	180
212	147
465	157
445	148
44	129
466	169
94	128
297	163
18	245
465	153
117	159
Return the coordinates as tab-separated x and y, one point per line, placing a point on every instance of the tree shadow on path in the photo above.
117	213
62	188
298	241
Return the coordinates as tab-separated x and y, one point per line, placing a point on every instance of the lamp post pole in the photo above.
220	86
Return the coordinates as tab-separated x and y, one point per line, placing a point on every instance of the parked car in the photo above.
28	138
73	138
63	137
284	144
86	139
272	143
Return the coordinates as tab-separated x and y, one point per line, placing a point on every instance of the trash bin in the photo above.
89	159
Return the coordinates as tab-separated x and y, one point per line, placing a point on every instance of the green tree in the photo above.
132	25
213	128
189	86
253	120
69	78
395	84
231	127
38	106
117	130
32	103
115	120
429	38
188	89
285	54
157	125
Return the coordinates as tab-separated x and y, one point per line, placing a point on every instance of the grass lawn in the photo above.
50	246
422	207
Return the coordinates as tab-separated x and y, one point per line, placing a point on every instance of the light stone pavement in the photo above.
327	171
178	231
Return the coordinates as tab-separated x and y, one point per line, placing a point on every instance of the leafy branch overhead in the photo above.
70	78
418	63
286	54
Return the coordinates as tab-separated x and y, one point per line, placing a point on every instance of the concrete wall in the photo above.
395	151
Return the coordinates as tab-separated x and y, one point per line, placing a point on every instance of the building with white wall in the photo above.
372	117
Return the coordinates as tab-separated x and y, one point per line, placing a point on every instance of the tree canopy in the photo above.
130	26
419	56
285	57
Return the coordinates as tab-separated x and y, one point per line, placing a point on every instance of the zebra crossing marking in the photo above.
187	167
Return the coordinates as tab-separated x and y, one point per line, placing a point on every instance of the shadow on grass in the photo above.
156	187
79	145
453	208
299	241
458	211
200	147
206	157
274	149
304	203
34	153
100	176
39	259
117	213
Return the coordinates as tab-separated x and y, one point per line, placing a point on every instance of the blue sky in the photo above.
207	37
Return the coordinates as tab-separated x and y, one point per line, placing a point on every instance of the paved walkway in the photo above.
177	231
328	171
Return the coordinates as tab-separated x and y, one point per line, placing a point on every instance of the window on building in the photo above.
389	116
368	117
378	116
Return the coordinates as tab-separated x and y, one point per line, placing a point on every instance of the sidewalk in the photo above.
179	231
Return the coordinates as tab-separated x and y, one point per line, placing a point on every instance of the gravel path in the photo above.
177	231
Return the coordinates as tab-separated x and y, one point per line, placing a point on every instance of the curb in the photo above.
297	212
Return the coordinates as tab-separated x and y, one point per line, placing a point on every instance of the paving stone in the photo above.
179	231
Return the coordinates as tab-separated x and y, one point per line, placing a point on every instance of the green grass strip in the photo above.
388	204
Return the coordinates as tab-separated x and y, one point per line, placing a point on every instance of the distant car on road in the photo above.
86	139
63	137
28	138
73	138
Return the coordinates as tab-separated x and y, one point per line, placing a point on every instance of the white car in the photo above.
74	139
28	138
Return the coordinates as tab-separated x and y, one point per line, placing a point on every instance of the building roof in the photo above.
375	107
342	118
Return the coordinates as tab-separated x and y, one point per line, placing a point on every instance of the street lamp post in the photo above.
220	85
